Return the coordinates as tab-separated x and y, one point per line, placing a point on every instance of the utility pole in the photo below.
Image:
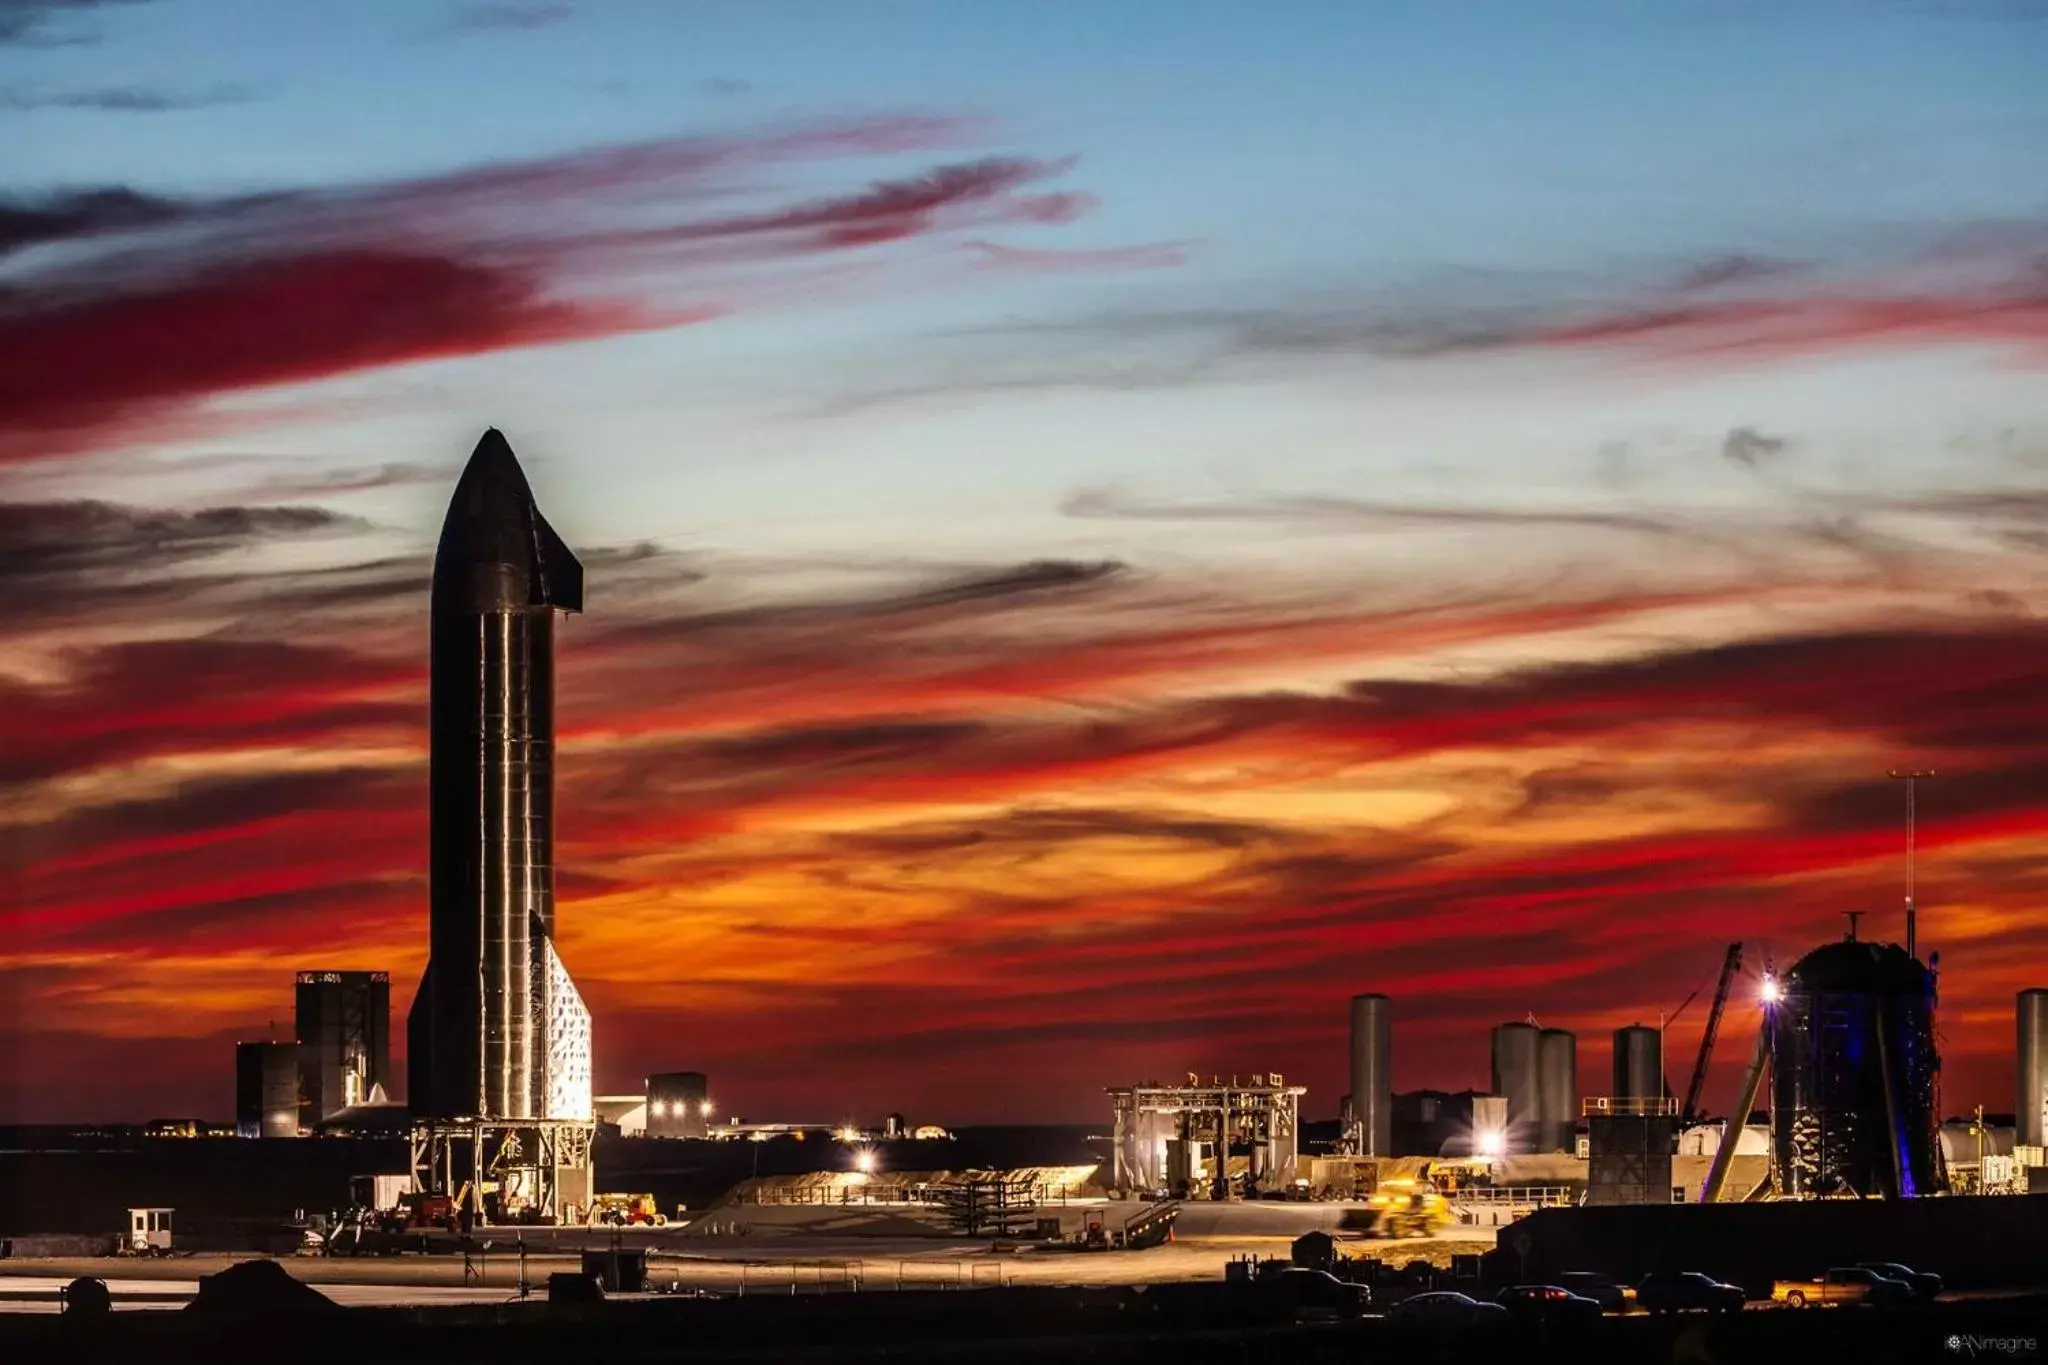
1912	781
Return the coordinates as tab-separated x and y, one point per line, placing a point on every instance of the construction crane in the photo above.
1690	1112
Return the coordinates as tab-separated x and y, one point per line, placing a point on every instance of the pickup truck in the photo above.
1842	1285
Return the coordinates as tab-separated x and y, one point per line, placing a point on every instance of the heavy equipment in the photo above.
1408	1208
622	1210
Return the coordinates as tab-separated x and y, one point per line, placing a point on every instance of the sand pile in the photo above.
257	1289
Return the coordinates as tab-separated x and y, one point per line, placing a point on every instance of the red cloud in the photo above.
101	369
203	299
1150	256
1762	328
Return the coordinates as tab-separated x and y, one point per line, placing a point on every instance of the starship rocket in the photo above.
497	1030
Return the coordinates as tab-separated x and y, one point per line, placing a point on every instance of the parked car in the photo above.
1317	1295
1591	1284
1688	1290
1547	1304
1840	1286
1447	1308
1923	1284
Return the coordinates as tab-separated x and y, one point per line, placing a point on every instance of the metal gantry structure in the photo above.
506	1171
1159	1131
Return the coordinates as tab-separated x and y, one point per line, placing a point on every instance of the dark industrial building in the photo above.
1434	1123
266	1090
1628	1155
1853	1069
344	1029
678	1105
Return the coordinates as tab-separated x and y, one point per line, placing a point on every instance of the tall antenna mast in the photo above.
1912	781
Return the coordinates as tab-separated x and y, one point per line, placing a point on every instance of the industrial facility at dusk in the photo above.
500	1126
1358	682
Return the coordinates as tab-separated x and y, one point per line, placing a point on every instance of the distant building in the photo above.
1443	1123
344	1029
629	1112
266	1090
678	1105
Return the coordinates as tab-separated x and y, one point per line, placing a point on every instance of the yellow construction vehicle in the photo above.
621	1210
1408	1208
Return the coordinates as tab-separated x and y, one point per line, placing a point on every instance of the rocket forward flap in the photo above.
557	574
497	552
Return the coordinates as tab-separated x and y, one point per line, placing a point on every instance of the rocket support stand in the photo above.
545	1162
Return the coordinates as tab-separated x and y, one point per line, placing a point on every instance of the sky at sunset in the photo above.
1108	528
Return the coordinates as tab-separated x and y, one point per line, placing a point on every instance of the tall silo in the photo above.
1638	1065
1852	1074
1557	1089
1372	1073
2030	1107
1515	1052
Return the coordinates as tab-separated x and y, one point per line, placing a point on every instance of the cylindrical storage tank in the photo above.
1852	1074
1515	1051
2030	1109
1372	1073
1557	1089
1638	1065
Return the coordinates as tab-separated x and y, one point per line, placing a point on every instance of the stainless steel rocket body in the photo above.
477	1036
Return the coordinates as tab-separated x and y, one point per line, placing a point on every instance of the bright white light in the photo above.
661	1109
864	1162
1491	1143
704	1108
1772	992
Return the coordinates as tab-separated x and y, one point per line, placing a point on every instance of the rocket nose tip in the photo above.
491	444
493	464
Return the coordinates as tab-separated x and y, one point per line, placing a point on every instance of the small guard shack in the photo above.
149	1230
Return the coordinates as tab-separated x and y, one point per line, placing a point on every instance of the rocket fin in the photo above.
419	1047
567	1023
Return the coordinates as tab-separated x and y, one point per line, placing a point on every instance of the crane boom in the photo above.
1732	964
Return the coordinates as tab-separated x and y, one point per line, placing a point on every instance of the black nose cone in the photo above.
497	552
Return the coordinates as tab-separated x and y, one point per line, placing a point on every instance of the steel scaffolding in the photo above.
1161	1130
507	1170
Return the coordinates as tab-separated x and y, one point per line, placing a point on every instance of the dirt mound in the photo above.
257	1289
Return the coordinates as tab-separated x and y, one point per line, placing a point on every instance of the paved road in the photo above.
768	1259
731	1264
41	1294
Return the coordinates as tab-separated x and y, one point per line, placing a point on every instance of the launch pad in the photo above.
507	1170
